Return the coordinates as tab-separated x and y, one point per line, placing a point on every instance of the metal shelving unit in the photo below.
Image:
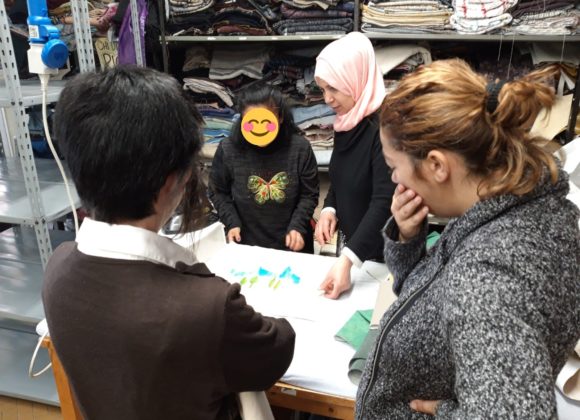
14	203
20	277
32	194
376	36
31	93
15	350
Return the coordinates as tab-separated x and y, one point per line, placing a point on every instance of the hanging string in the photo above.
511	55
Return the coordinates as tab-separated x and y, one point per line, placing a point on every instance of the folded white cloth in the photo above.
479	26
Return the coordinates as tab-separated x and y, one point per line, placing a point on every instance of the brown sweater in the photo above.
142	341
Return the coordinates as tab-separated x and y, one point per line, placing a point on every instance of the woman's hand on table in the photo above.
409	211
325	227
234	235
337	280
294	241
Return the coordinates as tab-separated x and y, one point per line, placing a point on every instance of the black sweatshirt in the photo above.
361	189
238	190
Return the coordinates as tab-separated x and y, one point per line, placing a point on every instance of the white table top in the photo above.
320	361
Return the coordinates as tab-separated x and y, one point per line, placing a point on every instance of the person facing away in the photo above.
360	193
143	330
485	319
264	177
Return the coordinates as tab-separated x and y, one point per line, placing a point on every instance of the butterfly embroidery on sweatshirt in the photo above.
272	190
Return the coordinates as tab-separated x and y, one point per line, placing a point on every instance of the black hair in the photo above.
123	132
261	93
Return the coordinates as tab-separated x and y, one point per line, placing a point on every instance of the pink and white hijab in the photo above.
348	64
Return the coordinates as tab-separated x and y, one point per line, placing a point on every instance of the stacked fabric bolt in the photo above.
197	57
206	87
311	17
229	62
242	17
545	17
188	7
408	16
315	122
395	61
481	16
307	89
193	16
222	17
285	71
218	122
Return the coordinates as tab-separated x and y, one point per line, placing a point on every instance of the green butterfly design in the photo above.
273	190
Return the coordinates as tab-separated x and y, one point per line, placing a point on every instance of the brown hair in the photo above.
443	106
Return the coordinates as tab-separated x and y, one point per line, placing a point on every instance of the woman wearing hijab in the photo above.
360	194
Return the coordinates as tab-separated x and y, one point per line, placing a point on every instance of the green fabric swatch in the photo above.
356	328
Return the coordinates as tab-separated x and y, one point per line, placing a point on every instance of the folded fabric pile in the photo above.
311	17
395	61
260	17
197	57
307	88
408	16
221	17
208	88
315	122
241	17
481	16
218	122
229	62
293	73
188	7
545	17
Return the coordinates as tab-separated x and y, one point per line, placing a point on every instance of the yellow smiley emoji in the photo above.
259	126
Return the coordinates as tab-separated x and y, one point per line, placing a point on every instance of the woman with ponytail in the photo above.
487	317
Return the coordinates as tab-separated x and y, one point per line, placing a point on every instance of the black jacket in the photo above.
361	189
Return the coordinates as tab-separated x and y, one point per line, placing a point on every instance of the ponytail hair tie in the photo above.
493	88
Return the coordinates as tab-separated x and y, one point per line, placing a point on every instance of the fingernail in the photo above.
413	405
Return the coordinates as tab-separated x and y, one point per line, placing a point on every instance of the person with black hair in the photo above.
143	331
264	177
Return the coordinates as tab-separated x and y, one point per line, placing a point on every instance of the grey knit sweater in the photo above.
486	319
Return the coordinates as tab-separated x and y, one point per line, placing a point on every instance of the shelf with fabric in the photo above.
278	44
250	38
14	202
451	36
473	38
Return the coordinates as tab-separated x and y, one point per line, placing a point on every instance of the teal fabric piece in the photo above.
357	363
356	328
432	239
